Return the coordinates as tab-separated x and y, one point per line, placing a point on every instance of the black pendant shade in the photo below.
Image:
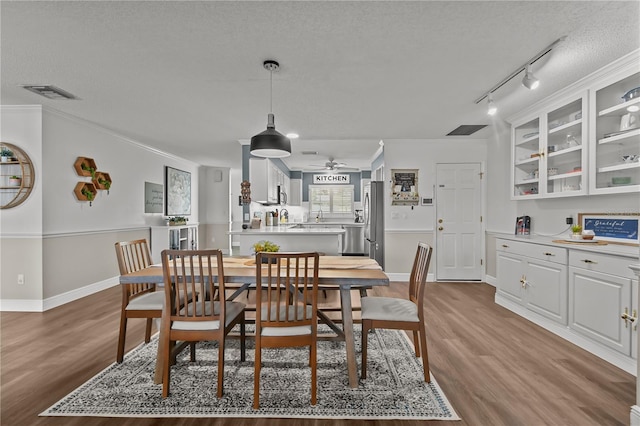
270	143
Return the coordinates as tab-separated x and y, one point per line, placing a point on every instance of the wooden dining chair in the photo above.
207	316
286	309
138	300
402	314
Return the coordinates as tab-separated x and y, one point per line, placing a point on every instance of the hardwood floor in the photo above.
495	367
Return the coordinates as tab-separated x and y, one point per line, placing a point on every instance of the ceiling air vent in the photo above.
49	91
309	152
466	129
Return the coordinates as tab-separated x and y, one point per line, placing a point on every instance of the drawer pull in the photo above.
549	254
589	261
505	246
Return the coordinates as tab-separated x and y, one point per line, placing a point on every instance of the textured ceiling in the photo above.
187	78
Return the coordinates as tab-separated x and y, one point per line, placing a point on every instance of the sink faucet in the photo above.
319	216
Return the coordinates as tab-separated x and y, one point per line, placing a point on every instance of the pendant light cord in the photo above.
271	92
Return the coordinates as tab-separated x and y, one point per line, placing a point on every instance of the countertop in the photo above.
610	248
294	229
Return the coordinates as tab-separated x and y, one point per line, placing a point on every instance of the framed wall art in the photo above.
177	184
404	185
613	227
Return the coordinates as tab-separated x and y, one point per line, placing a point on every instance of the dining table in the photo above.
344	273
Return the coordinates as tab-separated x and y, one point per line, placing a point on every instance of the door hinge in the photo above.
481	175
480	219
481	262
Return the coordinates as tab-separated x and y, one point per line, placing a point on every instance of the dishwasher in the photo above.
353	240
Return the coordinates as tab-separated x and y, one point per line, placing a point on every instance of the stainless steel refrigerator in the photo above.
374	220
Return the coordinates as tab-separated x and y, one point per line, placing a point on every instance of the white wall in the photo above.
405	226
70	249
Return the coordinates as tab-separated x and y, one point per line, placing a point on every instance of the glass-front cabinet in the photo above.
615	130
548	152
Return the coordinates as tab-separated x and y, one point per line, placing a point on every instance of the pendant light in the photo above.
271	143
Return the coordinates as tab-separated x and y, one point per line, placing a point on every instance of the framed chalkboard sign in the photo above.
614	227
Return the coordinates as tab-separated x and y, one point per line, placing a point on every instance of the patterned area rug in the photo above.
394	388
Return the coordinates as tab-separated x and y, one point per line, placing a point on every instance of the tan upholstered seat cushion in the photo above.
233	309
287	331
389	309
146	302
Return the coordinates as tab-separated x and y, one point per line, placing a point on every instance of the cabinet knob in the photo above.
440	228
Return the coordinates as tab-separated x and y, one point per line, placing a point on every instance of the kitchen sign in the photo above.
331	179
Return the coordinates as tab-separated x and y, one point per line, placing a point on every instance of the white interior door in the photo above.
458	248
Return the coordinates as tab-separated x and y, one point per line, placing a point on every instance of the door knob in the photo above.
440	228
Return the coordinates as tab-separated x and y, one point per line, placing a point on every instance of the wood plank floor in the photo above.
495	367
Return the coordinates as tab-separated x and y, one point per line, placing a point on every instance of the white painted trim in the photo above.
491	280
96	232
20	305
404	276
626	363
96	127
70	296
407	231
635	416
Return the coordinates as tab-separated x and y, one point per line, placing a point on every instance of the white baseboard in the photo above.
621	361
635	416
404	276
21	305
17	305
491	280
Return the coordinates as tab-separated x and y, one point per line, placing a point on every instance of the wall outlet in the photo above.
21	279
569	221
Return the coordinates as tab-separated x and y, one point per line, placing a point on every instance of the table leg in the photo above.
157	377
347	326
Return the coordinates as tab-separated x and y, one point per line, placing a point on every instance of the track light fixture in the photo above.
491	106
529	80
271	143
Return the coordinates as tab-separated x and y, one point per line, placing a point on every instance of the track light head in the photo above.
491	106
529	80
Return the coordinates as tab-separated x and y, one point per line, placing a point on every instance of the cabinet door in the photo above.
526	153
510	271
566	149
596	302
546	289
615	134
295	194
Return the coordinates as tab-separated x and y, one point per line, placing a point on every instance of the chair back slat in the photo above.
133	256
419	273
196	275
289	281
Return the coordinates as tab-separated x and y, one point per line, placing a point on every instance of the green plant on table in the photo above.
265	246
576	229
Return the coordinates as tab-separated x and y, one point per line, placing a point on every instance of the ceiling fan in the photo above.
334	165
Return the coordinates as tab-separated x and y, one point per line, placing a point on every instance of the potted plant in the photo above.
89	194
15	180
576	232
90	169
5	154
177	220
265	246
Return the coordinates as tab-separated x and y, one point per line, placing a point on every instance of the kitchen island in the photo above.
324	237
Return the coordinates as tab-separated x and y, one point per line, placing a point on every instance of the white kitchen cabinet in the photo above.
615	134
264	178
548	154
179	237
600	294
534	276
295	192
